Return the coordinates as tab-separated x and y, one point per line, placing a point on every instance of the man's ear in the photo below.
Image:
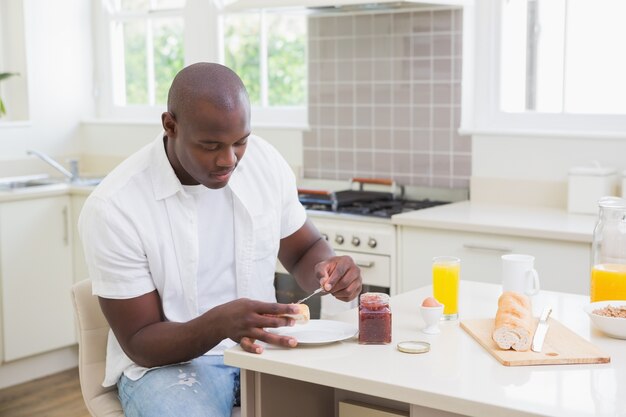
169	124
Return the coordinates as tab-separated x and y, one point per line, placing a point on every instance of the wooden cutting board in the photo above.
562	346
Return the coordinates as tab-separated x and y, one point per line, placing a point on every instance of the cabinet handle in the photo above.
365	264
486	248
66	223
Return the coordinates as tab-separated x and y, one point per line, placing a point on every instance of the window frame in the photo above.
202	19
481	112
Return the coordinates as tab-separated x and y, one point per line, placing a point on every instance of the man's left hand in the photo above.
340	276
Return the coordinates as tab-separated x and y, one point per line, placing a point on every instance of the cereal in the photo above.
610	311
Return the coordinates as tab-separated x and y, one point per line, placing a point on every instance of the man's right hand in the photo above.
245	320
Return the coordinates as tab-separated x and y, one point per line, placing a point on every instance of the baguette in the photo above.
303	316
514	324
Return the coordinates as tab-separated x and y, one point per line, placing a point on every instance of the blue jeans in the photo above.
204	387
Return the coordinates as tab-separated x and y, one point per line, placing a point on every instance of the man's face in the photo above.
205	144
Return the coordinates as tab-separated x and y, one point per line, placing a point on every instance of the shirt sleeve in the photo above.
114	254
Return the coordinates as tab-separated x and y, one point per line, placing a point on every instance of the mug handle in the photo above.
534	276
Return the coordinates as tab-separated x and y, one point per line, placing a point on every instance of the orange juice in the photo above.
608	282
446	271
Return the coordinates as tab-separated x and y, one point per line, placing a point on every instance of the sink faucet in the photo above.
71	176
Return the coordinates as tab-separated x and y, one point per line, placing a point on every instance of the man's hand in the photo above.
245	320
340	276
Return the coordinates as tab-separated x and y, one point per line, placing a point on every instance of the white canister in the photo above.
587	185
624	184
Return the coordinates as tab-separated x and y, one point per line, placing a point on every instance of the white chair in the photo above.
93	330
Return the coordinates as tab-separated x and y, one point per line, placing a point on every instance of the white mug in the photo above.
519	274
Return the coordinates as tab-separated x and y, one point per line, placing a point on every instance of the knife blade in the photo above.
317	291
542	329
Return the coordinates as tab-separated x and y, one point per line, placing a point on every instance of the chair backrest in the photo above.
93	330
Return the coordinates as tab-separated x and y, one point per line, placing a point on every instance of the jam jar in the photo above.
374	318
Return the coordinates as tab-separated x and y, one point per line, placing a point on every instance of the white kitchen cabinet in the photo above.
80	266
562	265
36	274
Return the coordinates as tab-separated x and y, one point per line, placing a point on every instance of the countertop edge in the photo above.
532	222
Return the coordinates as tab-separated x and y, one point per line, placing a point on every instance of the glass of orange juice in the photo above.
446	276
608	282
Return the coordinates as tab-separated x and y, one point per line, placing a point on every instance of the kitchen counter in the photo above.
41	191
526	221
456	376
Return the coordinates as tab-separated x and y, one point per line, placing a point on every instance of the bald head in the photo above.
211	83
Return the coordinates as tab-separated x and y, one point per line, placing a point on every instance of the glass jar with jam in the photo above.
374	318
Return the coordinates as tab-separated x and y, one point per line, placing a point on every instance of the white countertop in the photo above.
528	221
458	375
42	191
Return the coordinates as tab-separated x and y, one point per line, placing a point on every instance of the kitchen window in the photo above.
549	67
142	44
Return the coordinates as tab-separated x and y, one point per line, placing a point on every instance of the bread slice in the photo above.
514	324
303	316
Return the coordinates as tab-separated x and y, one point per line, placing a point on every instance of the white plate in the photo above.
317	332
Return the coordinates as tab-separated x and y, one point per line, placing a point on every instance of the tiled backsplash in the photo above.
385	96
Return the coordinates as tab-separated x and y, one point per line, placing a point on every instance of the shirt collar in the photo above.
165	183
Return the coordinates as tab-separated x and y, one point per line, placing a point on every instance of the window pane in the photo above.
168	54
242	50
286	60
563	56
135	62
168	4
595	79
133	5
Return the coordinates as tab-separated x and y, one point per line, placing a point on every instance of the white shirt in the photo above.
216	259
139	229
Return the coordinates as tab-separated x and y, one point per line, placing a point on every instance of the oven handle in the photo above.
471	246
364	264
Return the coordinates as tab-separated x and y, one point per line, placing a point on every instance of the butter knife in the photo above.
317	291
542	329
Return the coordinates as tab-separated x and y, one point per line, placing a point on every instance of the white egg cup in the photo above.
431	316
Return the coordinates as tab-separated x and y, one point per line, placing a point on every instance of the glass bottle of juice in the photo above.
608	253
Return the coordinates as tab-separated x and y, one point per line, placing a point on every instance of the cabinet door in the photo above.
80	266
562	266
36	274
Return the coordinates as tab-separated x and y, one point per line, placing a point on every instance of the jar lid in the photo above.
612	202
374	297
413	346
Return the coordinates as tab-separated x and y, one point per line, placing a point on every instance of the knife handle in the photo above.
545	314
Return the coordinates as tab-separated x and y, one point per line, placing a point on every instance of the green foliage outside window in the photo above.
168	59
286	72
286	61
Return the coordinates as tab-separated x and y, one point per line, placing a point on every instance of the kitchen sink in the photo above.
34	181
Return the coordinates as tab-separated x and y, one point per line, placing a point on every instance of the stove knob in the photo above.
372	242
325	236
339	239
356	241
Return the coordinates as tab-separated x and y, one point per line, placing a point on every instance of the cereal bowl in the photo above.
612	326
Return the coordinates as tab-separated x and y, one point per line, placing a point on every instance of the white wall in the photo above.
533	169
59	62
105	144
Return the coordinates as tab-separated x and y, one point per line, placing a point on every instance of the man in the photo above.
181	241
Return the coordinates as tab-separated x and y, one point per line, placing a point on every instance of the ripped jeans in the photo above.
204	387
